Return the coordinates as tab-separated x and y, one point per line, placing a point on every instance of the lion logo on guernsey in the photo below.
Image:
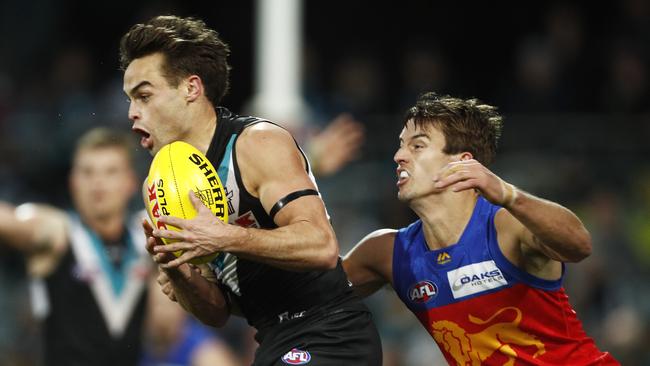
296	357
422	292
475	348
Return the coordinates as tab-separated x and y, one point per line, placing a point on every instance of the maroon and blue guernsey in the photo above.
480	308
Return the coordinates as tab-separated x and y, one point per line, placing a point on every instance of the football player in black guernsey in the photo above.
278	264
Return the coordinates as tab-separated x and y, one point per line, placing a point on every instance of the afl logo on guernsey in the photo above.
296	357
422	292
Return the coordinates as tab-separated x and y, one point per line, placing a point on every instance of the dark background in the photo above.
571	79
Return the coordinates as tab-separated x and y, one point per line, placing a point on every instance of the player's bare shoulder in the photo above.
266	150
509	230
263	136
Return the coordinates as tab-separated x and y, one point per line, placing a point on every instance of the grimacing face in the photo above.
102	181
419	158
159	111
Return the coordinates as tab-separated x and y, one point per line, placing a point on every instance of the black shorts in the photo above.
339	338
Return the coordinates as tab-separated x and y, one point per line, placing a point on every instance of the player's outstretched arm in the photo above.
272	168
369	265
538	224
32	228
187	286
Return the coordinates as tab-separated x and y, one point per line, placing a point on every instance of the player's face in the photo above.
158	110
418	159
102	182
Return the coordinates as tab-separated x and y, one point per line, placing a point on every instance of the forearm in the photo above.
199	296
299	246
555	229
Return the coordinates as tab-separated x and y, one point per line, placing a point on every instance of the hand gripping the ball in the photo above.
152	242
176	169
470	174
201	236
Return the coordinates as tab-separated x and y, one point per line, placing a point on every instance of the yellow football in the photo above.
175	170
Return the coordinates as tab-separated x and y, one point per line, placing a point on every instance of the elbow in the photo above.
215	313
216	318
331	261
583	246
219	322
329	252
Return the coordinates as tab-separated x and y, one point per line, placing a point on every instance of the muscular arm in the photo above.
546	227
369	265
199	296
271	167
533	233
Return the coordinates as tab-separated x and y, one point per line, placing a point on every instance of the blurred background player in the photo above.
91	272
90	263
482	268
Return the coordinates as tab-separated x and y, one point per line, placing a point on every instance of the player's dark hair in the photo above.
189	48
467	124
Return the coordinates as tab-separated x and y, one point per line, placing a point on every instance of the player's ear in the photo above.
194	87
466	156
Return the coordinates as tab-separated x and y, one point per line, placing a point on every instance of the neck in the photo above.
444	216
202	130
110	228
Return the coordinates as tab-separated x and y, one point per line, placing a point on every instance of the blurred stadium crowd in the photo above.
572	80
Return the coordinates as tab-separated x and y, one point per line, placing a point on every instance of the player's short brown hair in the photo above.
189	48
103	137
467	124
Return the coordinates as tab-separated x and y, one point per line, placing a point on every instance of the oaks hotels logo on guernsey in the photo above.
296	357
475	278
422	292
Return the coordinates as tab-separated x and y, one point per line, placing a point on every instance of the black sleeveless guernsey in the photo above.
96	307
265	294
301	317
